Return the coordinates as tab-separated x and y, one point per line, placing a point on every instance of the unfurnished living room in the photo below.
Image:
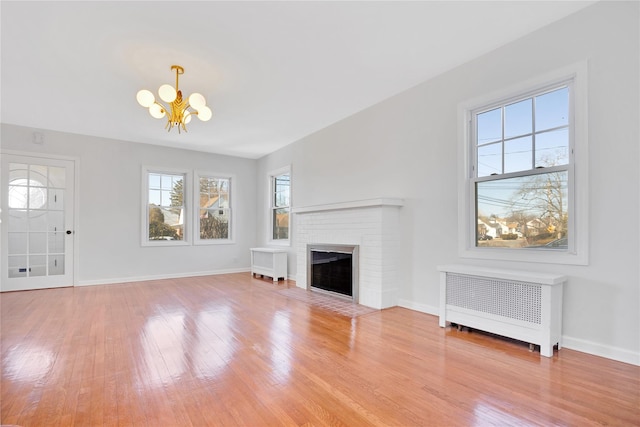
320	213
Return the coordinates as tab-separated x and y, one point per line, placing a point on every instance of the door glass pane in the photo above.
56	265
18	220
38	175
37	196
56	221
37	243
37	221
56	199
18	266
17	171
18	243
37	265
56	242
57	177
18	194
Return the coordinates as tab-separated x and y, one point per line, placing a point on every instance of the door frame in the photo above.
76	199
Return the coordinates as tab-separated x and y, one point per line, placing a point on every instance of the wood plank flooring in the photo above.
232	350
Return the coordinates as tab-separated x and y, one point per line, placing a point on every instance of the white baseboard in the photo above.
112	281
606	351
424	308
590	347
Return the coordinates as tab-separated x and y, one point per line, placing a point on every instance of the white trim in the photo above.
350	205
597	349
498	273
416	306
579	193
196	208
144	215
113	281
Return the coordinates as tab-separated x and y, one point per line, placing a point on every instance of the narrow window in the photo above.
280	206
214	209
165	207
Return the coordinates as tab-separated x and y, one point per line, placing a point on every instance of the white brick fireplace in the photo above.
373	225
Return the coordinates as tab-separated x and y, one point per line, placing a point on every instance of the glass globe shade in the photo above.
187	117
204	113
167	93
197	101
156	111
145	98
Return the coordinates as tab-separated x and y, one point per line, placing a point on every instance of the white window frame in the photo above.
578	206
196	207
144	235
270	192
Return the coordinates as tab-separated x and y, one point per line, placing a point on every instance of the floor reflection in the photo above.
176	347
162	341
280	334
486	414
214	346
27	363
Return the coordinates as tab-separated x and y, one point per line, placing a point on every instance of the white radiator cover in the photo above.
523	305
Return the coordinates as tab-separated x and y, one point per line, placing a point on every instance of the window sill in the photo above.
214	242
526	255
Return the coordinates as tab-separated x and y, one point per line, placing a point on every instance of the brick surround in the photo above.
373	225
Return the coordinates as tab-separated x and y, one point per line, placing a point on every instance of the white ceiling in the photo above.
272	72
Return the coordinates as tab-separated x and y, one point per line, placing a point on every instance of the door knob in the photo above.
69	231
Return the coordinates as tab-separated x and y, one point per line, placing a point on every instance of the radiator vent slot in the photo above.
511	299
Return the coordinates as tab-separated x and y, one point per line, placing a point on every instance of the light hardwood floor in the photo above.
234	350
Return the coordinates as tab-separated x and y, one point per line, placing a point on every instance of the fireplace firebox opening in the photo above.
333	269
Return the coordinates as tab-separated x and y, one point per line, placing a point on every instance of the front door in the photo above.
37	222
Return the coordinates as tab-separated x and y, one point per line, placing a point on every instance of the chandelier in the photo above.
180	109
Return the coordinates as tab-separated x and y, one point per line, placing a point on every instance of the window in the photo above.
165	208
214	209
280	205
521	188
522	171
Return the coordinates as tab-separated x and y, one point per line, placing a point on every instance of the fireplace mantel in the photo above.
350	205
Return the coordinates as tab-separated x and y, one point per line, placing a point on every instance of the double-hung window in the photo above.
165	209
214	208
280	205
521	185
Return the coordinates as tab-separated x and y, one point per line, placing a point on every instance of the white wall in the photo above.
109	212
407	147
